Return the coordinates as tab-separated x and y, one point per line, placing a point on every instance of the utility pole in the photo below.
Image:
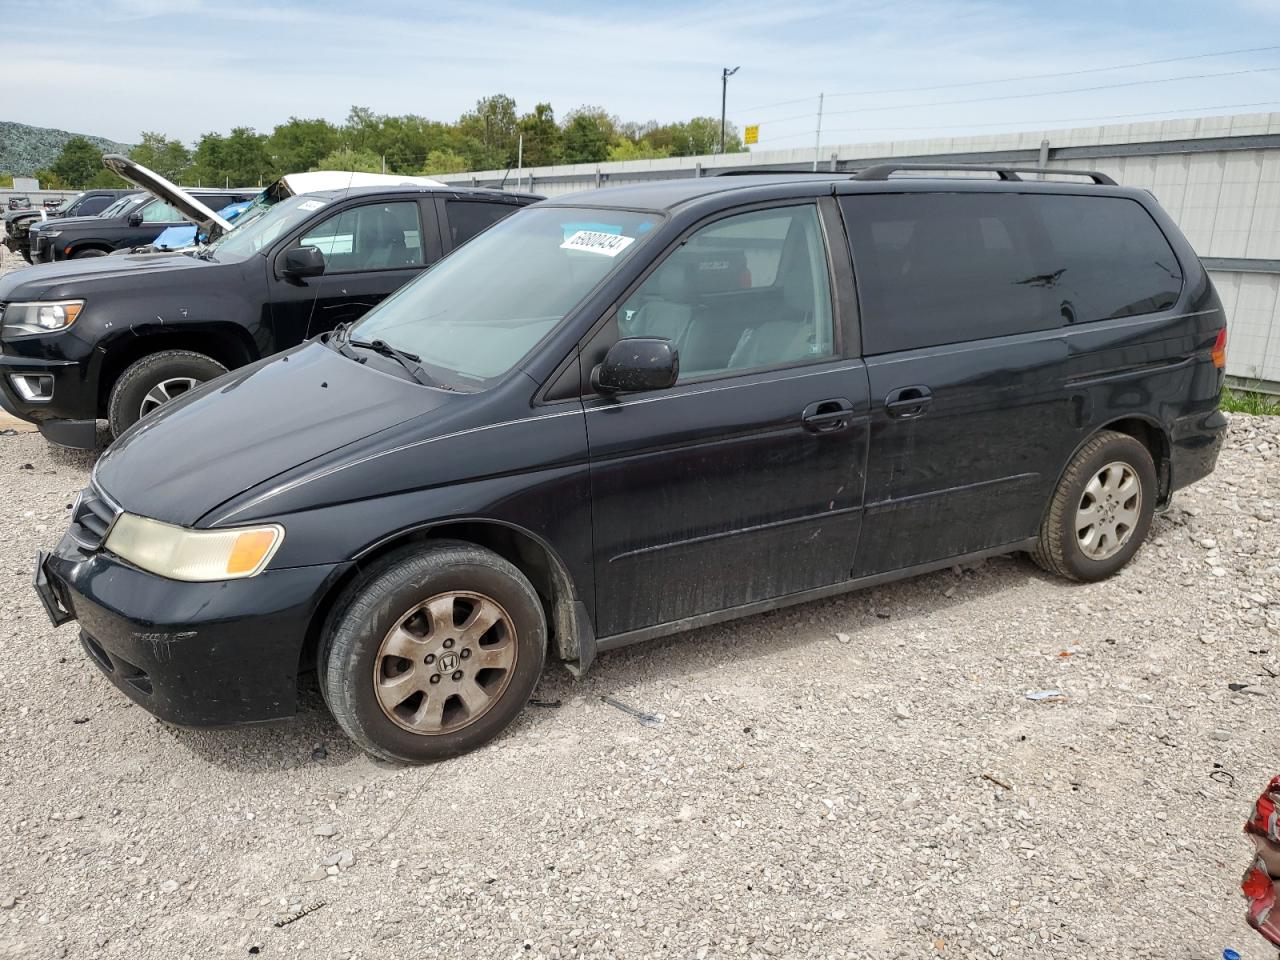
725	74
519	161
817	143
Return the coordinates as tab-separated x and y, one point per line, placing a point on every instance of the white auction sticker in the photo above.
592	241
311	205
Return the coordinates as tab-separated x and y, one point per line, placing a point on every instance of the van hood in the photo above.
239	431
68	278
152	182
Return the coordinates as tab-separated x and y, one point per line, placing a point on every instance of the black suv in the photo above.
90	203
627	413
118	336
132	225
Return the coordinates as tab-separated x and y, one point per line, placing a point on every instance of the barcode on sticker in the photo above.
592	241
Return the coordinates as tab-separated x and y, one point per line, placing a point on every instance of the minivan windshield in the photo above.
477	313
260	226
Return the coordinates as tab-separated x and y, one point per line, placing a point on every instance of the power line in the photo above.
1047	93
1037	123
1024	77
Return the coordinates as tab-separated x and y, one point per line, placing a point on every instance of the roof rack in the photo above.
749	172
882	171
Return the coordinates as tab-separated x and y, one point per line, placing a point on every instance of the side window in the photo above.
157	211
745	292
936	268
377	236
1106	258
92	206
468	217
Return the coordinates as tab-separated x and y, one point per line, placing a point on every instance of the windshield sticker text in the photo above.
311	205
592	241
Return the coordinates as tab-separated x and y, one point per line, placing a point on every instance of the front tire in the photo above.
433	653
155	380
84	254
1101	512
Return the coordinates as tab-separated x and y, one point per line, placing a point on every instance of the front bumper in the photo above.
42	248
69	417
196	654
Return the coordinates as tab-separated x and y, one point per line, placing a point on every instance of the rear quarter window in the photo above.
945	268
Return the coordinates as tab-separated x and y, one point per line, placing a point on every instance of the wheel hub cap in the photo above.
1108	511
445	663
164	391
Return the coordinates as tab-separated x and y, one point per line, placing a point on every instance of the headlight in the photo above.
50	233
194	555
40	316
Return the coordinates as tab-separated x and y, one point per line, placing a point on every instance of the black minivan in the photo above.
626	413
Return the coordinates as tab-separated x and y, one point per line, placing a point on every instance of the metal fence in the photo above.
1219	178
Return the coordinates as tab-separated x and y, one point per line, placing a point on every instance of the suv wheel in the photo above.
155	380
433	653
1101	511
82	254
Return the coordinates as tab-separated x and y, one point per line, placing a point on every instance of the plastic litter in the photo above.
1046	695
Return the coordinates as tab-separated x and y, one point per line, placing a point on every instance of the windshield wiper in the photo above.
410	361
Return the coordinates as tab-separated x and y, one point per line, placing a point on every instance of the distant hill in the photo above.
24	149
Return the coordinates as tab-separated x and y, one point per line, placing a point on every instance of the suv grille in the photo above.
92	519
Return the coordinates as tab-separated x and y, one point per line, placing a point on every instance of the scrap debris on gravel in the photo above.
982	762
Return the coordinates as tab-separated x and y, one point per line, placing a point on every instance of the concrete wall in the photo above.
1219	178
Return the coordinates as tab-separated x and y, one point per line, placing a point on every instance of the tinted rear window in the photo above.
943	268
469	217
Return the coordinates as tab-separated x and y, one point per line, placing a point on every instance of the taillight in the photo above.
1219	352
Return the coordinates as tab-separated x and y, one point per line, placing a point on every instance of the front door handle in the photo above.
906	403
828	416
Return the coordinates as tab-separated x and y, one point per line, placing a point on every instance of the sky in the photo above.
889	69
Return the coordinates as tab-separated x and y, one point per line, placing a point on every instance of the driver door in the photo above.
370	251
743	481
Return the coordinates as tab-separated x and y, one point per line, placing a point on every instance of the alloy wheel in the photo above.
164	391
1109	511
445	663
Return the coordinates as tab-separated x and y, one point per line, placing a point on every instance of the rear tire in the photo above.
433	653
82	254
1101	512
155	379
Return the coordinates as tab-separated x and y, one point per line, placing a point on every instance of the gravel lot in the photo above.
860	777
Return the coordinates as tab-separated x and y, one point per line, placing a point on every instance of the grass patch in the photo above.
1244	401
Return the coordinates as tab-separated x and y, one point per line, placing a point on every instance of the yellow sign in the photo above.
752	134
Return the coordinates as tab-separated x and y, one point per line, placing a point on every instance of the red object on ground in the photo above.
1257	885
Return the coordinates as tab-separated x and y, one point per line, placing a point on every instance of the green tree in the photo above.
299	145
445	161
50	180
589	132
493	125
346	159
78	162
169	158
631	150
695	137
543	144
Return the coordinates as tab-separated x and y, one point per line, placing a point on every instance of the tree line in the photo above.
485	138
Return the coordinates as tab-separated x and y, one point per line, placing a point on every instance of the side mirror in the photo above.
135	219
303	262
634	364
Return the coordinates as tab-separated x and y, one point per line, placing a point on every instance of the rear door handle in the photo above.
906	403
828	416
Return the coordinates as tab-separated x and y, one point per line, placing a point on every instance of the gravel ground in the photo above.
859	777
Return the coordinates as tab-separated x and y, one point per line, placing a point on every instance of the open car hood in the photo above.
293	184
152	182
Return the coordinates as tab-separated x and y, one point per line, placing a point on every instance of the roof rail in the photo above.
882	171
749	172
